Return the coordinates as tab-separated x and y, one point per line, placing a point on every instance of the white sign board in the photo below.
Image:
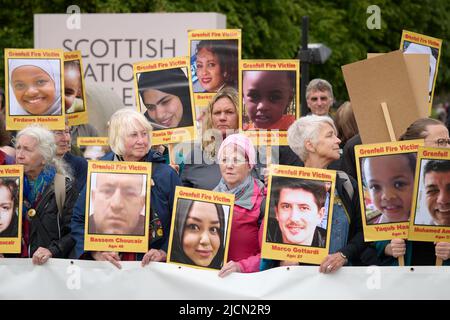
111	43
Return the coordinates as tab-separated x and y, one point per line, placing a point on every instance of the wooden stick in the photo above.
438	262
387	118
401	261
268	155
171	154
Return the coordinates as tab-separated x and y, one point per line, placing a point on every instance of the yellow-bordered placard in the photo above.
74	89
412	42
164	96
200	230
430	213
269	99
117	206
214	62
34	88
11	187
92	141
297	220
386	183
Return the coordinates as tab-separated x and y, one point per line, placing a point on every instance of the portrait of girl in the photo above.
166	96
73	90
389	180
269	99
199	234
9	204
215	65
34	87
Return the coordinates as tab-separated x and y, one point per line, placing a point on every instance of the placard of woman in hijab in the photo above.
298	216
35	87
74	93
430	214
386	182
214	62
269	99
11	184
164	96
117	206
418	43
200	231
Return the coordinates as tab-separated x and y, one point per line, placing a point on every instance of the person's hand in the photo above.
396	248
443	250
175	167
41	256
332	263
229	268
154	255
288	263
112	257
201	115
1	256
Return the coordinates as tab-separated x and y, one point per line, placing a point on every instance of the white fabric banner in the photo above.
67	279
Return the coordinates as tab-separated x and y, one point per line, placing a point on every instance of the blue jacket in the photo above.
79	169
161	202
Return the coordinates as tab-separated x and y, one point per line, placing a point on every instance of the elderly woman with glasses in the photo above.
129	138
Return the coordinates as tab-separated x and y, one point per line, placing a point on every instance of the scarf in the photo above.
32	193
242	193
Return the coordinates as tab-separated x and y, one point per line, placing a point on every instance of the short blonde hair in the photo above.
306	128
122	122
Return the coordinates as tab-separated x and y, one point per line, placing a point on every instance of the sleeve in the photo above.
77	223
252	263
61	248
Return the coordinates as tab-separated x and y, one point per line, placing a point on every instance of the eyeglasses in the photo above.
442	142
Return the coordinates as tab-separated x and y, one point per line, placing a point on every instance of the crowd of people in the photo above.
228	163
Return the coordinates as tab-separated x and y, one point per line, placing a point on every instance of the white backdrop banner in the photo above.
111	43
66	279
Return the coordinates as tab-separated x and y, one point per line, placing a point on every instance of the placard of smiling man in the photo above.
299	207
118	204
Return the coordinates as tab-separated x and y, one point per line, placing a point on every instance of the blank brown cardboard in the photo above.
373	81
418	70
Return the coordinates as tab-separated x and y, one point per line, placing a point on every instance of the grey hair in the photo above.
304	129
122	122
319	85
46	146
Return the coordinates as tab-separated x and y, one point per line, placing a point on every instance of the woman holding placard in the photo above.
129	138
45	227
435	134
237	157
314	139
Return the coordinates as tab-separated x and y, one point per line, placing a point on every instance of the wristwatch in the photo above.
343	256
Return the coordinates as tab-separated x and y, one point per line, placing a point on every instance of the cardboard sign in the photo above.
11	190
378	80
164	96
386	184
200	230
117	206
430	214
418	71
74	89
214	62
269	99
35	88
418	43
295	192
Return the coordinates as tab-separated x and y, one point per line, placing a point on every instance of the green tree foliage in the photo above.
272	29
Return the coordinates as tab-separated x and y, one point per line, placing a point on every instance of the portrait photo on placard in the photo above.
34	87
298	211
165	98
200	233
117	204
388	187
73	87
269	99
433	196
9	207
214	64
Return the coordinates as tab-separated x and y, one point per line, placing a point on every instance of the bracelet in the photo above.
343	256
